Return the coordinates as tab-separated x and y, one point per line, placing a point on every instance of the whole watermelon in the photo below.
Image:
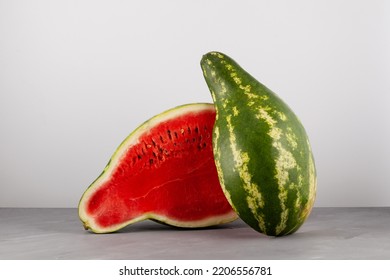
261	150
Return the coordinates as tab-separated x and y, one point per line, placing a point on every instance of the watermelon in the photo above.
163	171
261	149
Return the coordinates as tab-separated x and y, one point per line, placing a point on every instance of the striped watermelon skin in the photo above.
261	150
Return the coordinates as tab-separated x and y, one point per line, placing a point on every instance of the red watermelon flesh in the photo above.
163	171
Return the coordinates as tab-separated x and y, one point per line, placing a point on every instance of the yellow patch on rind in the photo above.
292	140
284	162
284	215
282	116
235	111
264	115
275	133
246	88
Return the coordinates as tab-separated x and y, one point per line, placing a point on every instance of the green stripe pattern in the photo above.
261	150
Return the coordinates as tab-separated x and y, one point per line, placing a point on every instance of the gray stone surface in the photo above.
329	233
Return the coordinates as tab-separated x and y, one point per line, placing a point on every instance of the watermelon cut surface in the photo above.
164	171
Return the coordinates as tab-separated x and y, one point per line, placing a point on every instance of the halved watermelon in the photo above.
164	171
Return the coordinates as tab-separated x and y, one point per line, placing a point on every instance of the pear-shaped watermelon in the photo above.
262	151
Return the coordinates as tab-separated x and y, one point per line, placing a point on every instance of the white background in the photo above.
76	77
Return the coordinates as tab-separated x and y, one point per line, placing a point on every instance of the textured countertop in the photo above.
329	233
